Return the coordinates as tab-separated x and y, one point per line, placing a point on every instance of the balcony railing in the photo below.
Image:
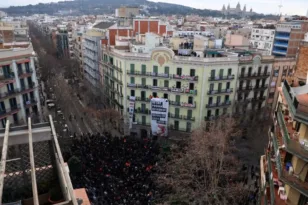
113	78
181	117
219	104
298	110
221	78
272	189
244	89
185	77
161	75
295	182
143	111
221	91
258	99
27	73
183	104
210	118
112	66
30	102
254	75
7	76
172	90
258	88
292	146
9	111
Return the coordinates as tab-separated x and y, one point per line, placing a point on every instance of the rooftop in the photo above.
32	165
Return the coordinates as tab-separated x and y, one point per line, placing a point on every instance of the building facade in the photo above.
63	49
198	89
262	39
284	170
288	37
19	97
253	83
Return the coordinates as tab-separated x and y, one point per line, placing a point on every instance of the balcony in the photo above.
298	104
260	88
282	37
108	74
210	118
142	111
185	77
10	111
219	104
222	78
279	52
26	74
291	141
294	182
183	104
181	117
142	99
244	89
258	99
160	75
283	45
221	91
30	103
254	75
163	89
112	66
7	79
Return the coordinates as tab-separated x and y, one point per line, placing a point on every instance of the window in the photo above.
143	81
176	125
155	69
189	114
217	112
219	87
212	73
27	66
132	92
143	69
209	113
249	71
229	71
221	73
210	100
259	70
178	98
243	71
179	71
167	70
154	82
166	83
188	126
132	80
276	73
224	111
178	85
192	72
144	120
177	112
132	68
218	100
165	95
142	95
154	94
265	70
190	100
211	86
191	86
228	85
227	98
19	68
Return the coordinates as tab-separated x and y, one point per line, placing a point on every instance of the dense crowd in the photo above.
115	170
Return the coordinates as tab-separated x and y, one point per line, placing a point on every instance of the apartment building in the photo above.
302	57
253	82
183	80
282	68
62	42
78	46
284	170
288	37
92	52
263	39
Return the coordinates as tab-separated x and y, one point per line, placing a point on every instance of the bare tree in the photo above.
106	118
205	172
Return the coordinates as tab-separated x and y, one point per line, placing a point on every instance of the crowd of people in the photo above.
115	170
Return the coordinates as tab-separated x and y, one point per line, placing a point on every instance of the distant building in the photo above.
236	11
262	39
127	12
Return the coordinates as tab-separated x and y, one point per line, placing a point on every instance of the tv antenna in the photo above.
280	6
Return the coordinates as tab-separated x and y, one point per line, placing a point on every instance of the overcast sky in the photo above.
261	6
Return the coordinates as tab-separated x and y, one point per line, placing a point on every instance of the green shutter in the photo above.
132	80
143	69
178	98
177	112
189	114
155	69
143	81
166	70
132	68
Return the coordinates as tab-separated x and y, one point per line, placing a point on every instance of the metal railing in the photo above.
221	91
219	78
152	74
9	110
219	104
7	76
272	189
254	75
185	77
168	89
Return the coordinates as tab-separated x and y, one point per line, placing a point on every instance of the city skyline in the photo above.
290	7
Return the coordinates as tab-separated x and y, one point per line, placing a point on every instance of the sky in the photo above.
290	7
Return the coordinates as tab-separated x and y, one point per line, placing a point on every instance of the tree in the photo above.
205	171
105	118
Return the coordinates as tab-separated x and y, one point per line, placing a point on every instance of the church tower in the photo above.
228	7
238	7
223	10
244	9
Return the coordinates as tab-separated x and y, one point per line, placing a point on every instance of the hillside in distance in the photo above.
97	7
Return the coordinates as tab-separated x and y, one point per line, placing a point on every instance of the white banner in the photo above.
159	116
131	109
